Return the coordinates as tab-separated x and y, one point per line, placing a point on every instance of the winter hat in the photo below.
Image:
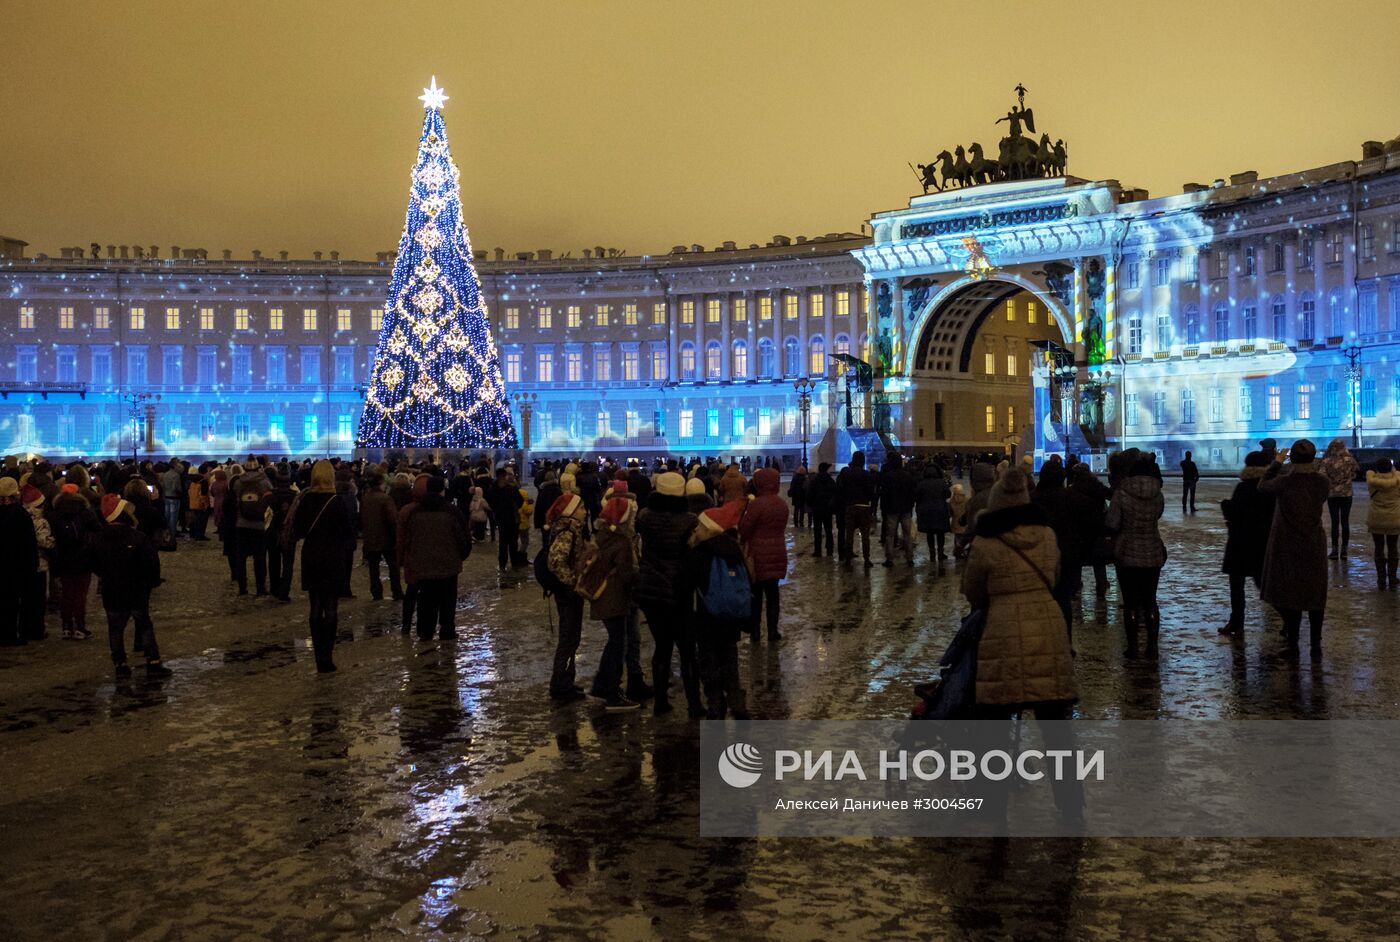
717	520
565	505
694	486
9	487
1302	452
31	496
571	468
568	482
1256	459
958	490
670	484
68	489
619	486
1009	490
617	512
113	507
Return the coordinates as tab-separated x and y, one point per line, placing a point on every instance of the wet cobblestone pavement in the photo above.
430	791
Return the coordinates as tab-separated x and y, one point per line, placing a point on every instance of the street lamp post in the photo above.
804	387
526	402
138	404
1353	374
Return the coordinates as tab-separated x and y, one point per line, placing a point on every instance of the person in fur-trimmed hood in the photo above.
1024	659
1248	516
1383	519
615	566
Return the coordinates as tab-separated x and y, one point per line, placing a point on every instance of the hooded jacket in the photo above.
1132	517
1339	467
127	566
75	528
251	486
1383	519
763	530
432	539
931	503
617	555
1024	655
1295	561
664	527
695	578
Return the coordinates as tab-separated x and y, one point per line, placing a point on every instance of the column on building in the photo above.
1322	309
673	320
1349	288
1290	285
1232	281
1079	310
726	360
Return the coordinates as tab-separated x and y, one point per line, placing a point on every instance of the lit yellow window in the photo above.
274	319
991	364
546	318
102	318
512	318
1011	418
991	419
573	315
843	303
1011	310
26	318
242	320
630	315
1011	364
138	318
206	318
765	307
342	318
816	304
376	318
601	313
65	318
790	307
741	308
658	314
712	311
687	312
172	318
308	318
1030	312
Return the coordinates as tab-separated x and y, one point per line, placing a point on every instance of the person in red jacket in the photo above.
763	532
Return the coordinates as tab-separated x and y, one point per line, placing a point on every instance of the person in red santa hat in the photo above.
608	583
716	578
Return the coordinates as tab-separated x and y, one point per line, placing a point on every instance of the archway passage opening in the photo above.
975	367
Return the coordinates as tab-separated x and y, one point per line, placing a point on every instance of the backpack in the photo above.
729	593
251	505
592	573
546	579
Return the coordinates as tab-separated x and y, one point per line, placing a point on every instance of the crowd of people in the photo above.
699	550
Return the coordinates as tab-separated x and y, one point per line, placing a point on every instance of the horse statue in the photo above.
1017	158
1044	157
982	169
945	168
962	170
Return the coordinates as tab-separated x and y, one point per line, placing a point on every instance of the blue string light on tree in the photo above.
437	376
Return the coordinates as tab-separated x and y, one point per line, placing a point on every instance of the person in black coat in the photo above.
503	497
129	569
931	510
664	528
821	506
1050	496
1249	513
1190	474
322	524
549	492
19	556
855	487
1087	498
75	528
716	538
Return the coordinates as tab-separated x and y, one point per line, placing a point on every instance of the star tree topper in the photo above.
432	96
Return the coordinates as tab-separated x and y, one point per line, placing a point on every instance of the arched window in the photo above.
792	357
767	365
1307	316
688	361
741	359
1193	325
817	359
842	344
713	366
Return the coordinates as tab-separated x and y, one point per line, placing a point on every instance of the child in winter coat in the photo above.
957	507
526	516
480	515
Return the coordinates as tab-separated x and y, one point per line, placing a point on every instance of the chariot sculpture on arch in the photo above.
1019	156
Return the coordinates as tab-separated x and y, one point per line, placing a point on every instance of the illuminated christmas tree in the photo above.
437	376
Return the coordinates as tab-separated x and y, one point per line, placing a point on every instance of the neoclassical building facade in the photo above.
1055	314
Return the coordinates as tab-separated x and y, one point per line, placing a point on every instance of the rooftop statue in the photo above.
1019	157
